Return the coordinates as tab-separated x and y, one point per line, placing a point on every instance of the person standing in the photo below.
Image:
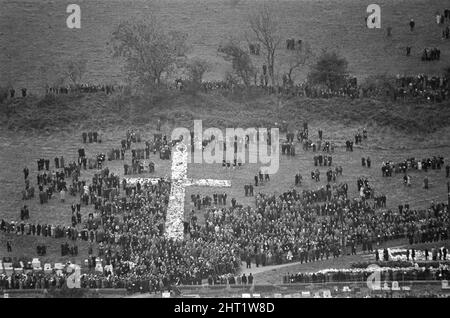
26	172
425	182
250	279
408	51
244	279
62	195
158	125
412	24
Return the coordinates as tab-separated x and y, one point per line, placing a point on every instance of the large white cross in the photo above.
179	181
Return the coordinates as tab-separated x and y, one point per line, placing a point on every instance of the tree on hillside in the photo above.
329	70
298	59
148	50
265	29
240	61
70	72
196	69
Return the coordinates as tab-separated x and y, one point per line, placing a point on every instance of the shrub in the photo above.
329	70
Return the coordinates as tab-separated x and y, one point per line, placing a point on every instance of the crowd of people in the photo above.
431	54
366	191
434	163
280	229
421	86
430	88
261	178
91	136
287	227
128	226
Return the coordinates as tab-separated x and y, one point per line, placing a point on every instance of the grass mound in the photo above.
54	113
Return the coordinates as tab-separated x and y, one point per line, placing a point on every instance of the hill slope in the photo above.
217	110
44	39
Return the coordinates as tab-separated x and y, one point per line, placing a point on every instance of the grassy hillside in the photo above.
50	127
43	38
179	108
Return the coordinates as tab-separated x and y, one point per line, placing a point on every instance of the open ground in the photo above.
40	128
41	39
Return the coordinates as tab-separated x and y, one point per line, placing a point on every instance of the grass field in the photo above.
23	149
41	37
39	128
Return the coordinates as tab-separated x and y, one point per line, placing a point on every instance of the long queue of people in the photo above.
427	273
45	230
82	88
85	88
422	87
434	163
287	89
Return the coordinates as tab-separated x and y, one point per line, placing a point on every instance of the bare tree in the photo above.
298	59
196	69
148	50
265	28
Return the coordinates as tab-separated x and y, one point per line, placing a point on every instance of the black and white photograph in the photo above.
223	154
